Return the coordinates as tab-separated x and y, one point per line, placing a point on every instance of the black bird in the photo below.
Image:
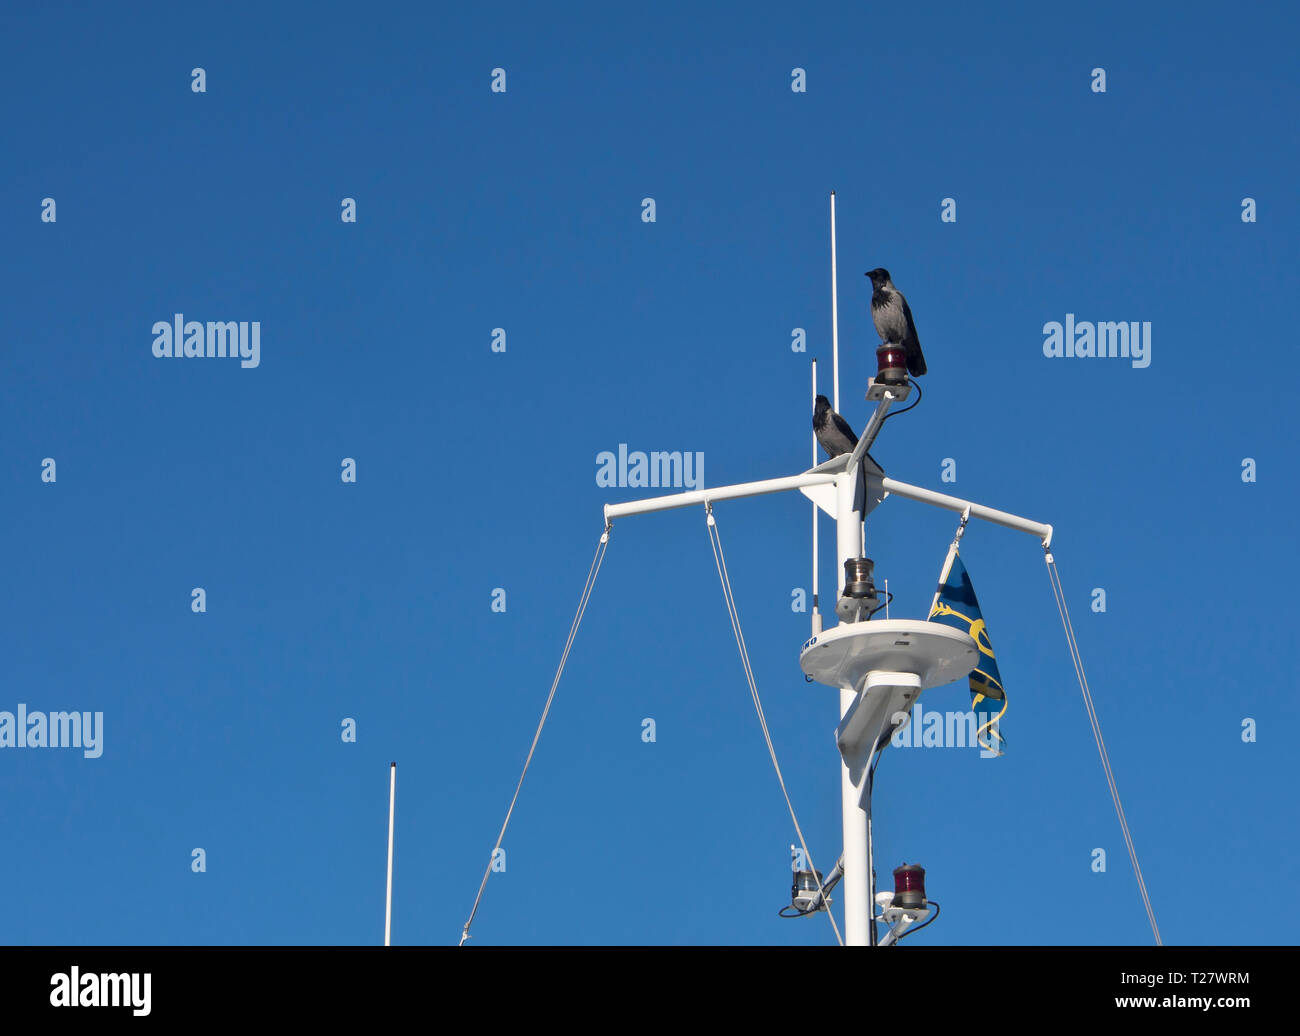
893	319
833	432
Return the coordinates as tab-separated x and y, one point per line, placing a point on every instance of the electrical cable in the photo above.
928	921
888	601
911	406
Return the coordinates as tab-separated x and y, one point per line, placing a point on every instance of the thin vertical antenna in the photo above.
886	598
388	904
816	615
835	315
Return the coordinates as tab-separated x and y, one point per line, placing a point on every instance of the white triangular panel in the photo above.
824	495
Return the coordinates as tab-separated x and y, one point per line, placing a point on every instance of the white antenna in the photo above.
388	905
835	318
816	613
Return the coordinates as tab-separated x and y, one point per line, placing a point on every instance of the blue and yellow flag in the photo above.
955	605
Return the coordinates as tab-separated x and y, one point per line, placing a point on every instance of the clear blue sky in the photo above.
476	469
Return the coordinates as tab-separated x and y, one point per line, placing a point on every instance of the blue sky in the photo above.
476	469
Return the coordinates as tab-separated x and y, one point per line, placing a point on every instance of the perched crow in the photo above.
893	319
833	432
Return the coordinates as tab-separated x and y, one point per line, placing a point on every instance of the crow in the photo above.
833	432
893	319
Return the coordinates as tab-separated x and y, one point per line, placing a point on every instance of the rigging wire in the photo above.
1059	592
719	559
590	585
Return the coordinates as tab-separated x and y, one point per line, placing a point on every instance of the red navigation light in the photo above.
891	364
909	886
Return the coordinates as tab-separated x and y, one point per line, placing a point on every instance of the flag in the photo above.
955	605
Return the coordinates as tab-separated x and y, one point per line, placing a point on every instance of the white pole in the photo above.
848	535
952	503
780	485
835	314
705	496
816	613
388	905
876	423
857	909
847	522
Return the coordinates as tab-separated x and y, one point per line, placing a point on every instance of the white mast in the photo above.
880	667
857	905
